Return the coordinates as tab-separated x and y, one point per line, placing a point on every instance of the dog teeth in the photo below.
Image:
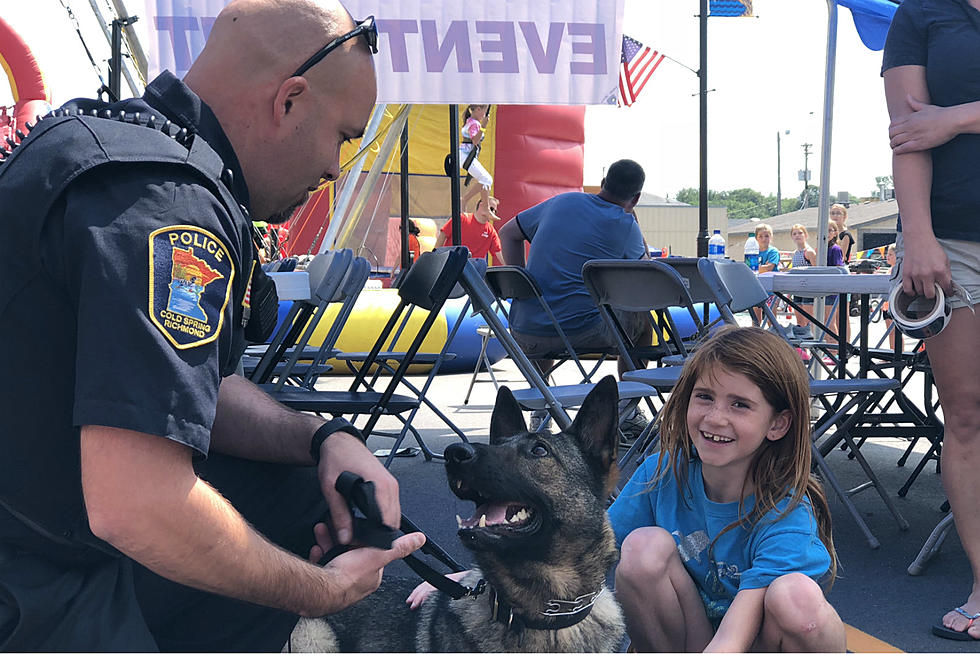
459	484
459	521
483	521
520	516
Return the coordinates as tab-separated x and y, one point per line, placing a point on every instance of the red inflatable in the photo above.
31	97
540	153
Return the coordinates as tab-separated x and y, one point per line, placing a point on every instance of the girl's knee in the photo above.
798	606
646	552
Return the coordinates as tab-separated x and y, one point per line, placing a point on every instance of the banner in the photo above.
448	52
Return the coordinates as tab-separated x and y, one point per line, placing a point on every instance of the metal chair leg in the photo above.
931	547
479	364
829	478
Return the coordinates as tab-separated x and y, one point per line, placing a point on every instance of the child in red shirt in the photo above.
477	232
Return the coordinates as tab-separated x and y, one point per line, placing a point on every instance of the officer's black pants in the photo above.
281	502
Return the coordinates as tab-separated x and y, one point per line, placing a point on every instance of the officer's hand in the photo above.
357	573
341	452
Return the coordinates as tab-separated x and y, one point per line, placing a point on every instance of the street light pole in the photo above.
703	88
779	179
806	174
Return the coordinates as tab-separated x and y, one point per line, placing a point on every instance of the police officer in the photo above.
143	500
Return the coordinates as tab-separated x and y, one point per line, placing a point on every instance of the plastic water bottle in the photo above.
752	253
716	246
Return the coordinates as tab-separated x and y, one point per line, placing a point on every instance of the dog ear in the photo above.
507	419
596	424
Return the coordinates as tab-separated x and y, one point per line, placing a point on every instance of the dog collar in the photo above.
557	613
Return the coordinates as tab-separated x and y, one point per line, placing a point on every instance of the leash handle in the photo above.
431	547
371	531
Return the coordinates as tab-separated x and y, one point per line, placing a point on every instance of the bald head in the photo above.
245	75
268	38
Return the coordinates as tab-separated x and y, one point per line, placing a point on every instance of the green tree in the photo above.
742	204
810	197
691	196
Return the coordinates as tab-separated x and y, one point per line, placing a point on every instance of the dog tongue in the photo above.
495	514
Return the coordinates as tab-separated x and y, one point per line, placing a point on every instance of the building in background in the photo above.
673	225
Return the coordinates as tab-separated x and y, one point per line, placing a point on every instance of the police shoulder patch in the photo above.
191	274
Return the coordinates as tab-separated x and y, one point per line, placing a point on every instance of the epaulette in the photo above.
179	134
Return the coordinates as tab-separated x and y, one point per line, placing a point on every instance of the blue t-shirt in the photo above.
741	559
770	255
565	232
944	36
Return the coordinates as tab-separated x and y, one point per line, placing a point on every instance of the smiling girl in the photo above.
725	534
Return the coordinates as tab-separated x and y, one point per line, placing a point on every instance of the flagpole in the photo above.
703	79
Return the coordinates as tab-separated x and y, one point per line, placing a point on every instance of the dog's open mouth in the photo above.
494	514
498	514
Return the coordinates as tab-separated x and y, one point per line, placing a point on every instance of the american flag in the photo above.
638	63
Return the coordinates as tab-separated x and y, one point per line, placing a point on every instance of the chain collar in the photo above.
556	614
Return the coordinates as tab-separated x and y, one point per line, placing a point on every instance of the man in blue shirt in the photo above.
564	232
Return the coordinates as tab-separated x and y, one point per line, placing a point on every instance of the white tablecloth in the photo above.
818	285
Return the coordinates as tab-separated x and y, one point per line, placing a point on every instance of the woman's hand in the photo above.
927	127
923	266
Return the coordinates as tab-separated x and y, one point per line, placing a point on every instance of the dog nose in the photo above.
459	452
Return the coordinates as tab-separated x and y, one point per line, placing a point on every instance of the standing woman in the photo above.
835	257
838	215
804	255
931	68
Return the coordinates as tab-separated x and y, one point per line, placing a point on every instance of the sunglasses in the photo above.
367	27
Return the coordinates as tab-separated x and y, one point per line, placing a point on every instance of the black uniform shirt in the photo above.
153	260
137	316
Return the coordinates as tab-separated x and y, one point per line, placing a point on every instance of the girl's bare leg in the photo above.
663	609
797	618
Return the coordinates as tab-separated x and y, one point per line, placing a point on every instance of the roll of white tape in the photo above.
916	315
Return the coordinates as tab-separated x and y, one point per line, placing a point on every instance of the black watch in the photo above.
327	428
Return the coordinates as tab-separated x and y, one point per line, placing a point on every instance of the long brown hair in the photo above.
780	468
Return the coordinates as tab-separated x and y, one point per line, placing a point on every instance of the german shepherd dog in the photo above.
539	535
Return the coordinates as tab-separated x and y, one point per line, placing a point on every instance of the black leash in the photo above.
370	530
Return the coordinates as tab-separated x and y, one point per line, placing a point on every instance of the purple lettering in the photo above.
595	46
505	44
396	29
177	28
437	54
545	59
207	22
